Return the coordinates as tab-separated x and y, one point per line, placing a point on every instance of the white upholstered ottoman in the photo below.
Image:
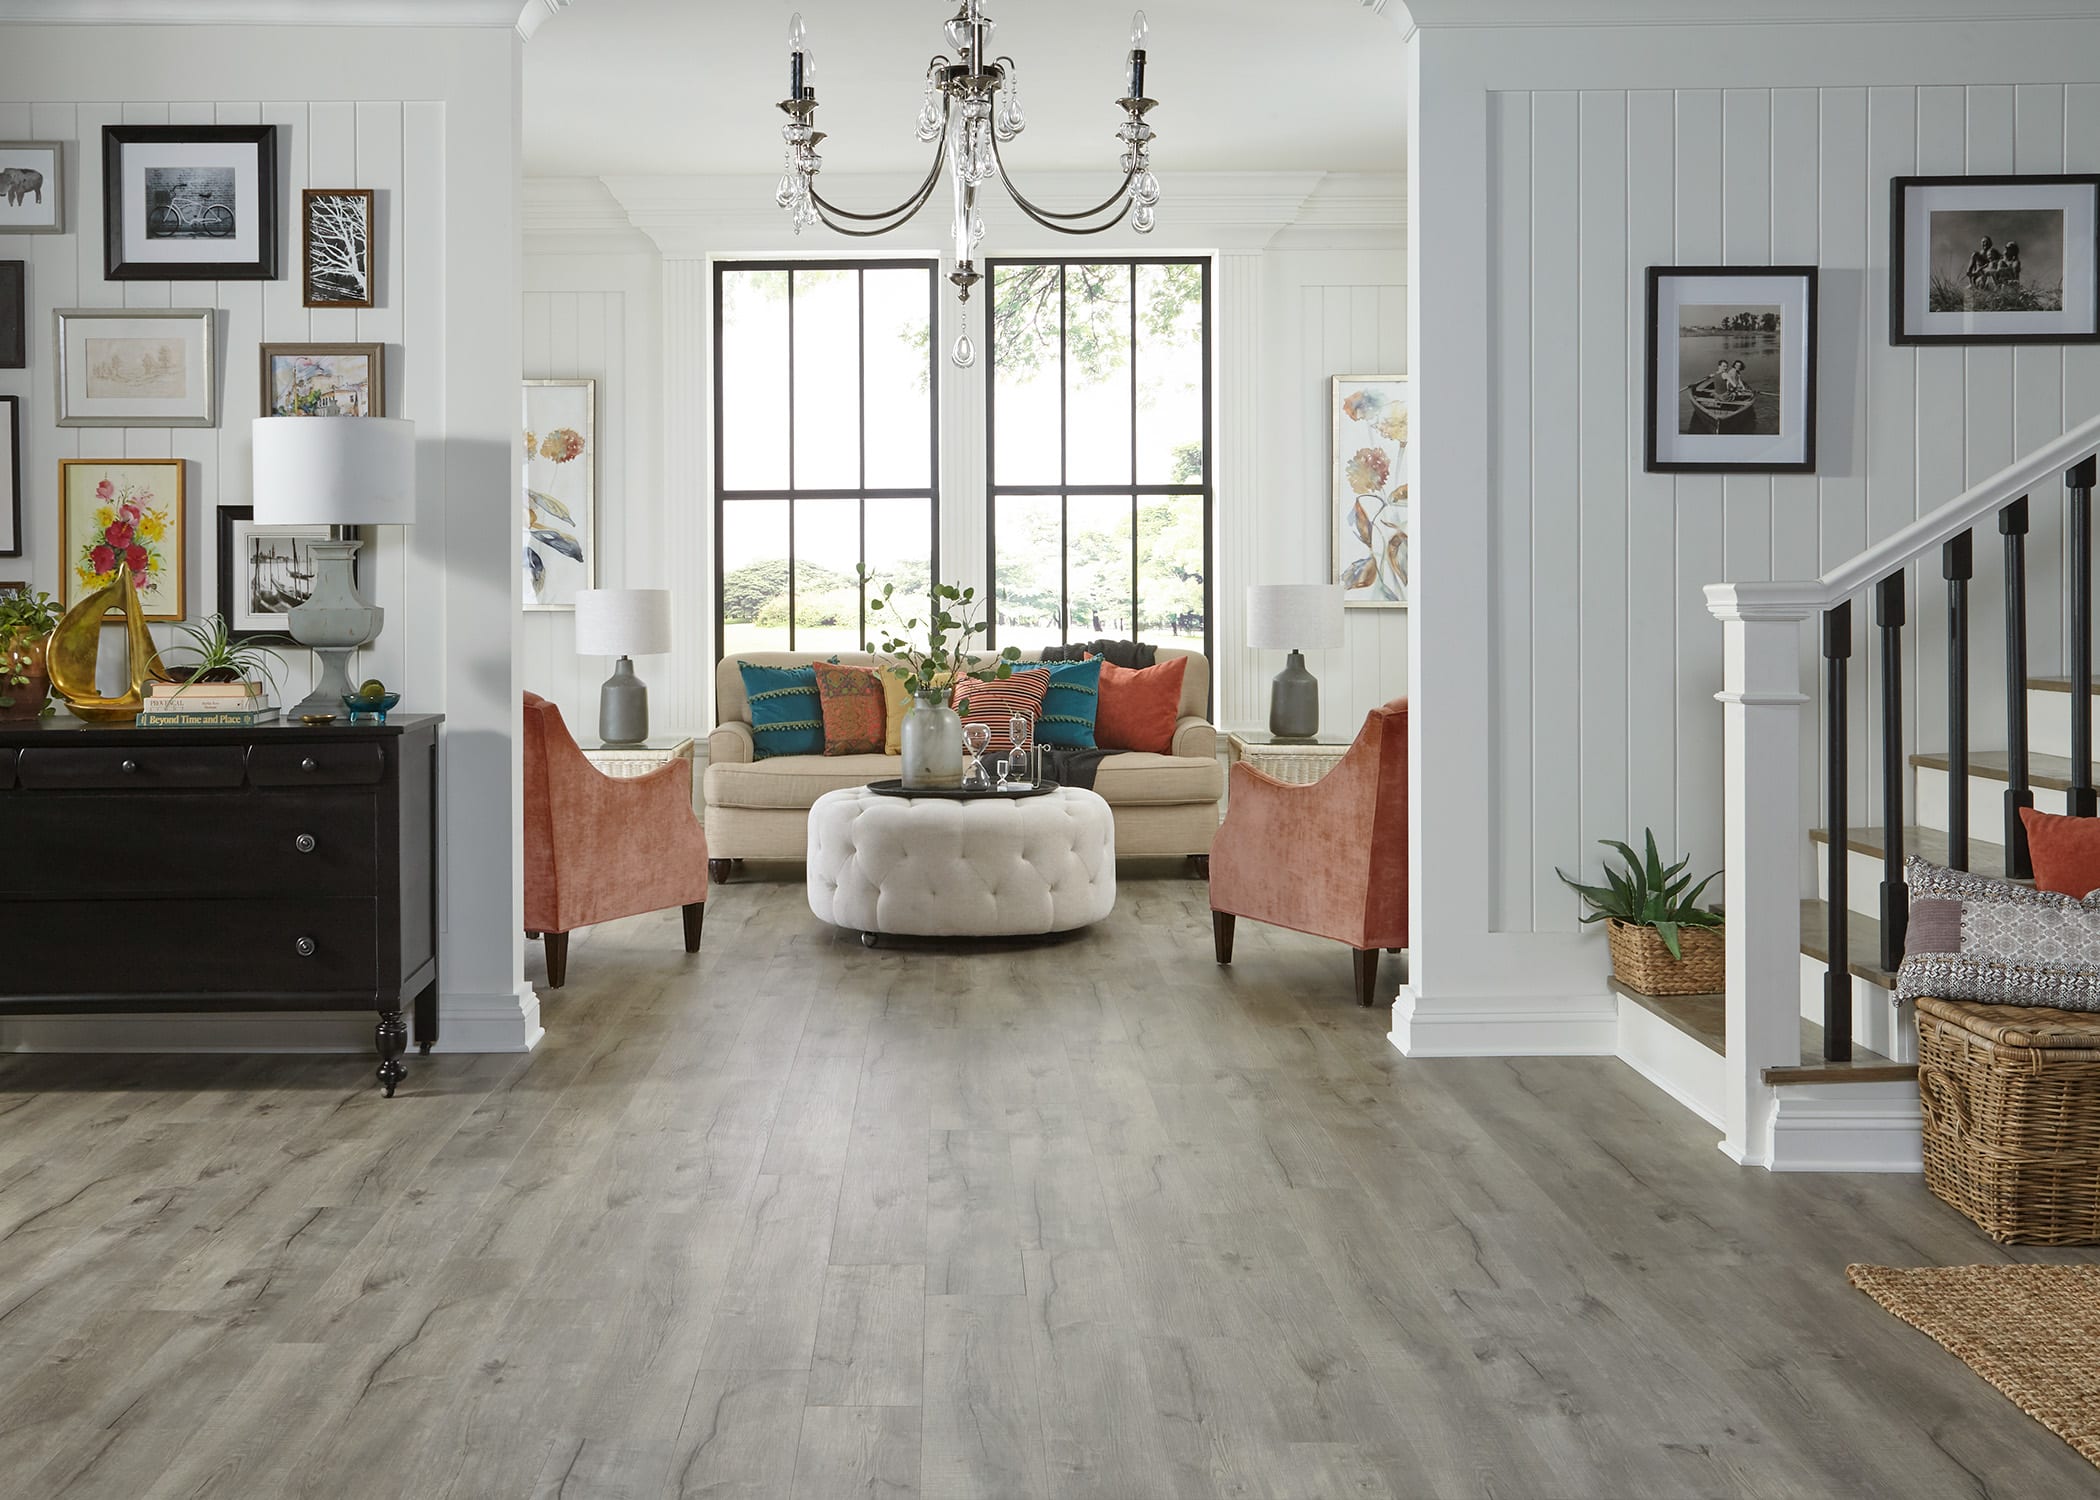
932	867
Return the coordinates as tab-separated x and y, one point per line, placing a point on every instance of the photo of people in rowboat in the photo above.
1729	358
1997	260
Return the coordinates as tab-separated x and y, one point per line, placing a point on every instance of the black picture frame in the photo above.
1655	463
223	595
1900	288
11	473
14	315
264	267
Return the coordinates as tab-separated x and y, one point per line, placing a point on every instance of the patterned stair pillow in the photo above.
993	703
856	714
1974	938
786	718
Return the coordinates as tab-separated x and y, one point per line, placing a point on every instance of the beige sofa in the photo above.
759	809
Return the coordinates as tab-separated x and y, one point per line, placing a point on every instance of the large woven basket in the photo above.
2011	1097
1643	964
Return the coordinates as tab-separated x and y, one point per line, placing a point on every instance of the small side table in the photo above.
1295	761
629	761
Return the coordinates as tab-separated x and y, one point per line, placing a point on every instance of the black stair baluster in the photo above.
2080	802
1895	895
2012	525
1837	979
1957	566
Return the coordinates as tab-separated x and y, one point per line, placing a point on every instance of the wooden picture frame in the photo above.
172	195
1764	420
152	490
137	366
32	187
317	383
14	315
1950	281
11	476
335	238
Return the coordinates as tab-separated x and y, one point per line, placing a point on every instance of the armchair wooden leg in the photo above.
718	871
1366	974
557	959
695	913
1221	934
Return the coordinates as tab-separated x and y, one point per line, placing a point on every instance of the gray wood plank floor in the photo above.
1090	1217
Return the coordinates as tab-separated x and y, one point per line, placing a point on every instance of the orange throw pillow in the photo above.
1139	709
854	709
2066	852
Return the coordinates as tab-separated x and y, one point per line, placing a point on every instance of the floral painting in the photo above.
124	516
560	463
1372	511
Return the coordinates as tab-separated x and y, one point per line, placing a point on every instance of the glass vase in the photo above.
932	745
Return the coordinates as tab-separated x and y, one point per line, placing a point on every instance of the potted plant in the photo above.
26	623
218	657
932	740
1663	942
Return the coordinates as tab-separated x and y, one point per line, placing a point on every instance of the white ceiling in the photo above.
644	86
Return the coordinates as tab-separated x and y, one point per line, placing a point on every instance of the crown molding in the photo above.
490	13
1491	14
576	216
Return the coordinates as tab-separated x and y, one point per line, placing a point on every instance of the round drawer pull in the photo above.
309	764
304	947
129	767
304	843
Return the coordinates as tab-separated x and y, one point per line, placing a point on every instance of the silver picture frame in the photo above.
144	389
25	205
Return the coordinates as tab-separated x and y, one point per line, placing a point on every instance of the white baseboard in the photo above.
1507	1026
1681	1066
466	1023
1854	1127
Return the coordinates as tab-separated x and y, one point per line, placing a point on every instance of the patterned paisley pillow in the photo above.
855	712
1974	938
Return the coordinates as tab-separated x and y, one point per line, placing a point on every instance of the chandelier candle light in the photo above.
972	106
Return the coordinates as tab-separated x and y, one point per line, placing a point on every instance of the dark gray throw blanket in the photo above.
1076	767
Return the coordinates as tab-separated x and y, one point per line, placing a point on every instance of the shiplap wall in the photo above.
392	147
1604	660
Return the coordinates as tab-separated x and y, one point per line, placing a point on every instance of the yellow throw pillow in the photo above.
897	703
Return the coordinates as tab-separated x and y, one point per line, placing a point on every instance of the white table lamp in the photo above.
1294	617
625	623
339	472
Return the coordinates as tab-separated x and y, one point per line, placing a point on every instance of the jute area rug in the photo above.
2031	1331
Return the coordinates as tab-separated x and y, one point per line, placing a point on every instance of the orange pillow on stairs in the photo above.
2066	852
1139	708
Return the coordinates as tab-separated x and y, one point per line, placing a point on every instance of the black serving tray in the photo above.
895	788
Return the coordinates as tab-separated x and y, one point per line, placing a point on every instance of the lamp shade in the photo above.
335	471
1294	616
623	622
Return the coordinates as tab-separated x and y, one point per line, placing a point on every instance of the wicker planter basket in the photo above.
2011	1097
1643	964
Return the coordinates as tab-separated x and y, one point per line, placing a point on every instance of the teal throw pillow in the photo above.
1070	705
786	718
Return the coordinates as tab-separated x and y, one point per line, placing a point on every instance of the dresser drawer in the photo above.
325	843
132	767
7	769
317	764
265	952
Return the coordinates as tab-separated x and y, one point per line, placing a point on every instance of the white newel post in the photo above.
1761	702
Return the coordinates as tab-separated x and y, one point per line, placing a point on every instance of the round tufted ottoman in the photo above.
936	868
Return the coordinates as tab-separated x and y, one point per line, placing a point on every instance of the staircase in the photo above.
1808	1063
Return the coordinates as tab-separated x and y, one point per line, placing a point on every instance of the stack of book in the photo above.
202	705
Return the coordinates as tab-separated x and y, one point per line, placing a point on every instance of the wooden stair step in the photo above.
2052	773
1862	937
1927	843
1704	1019
2057	684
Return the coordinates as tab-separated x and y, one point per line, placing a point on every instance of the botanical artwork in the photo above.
1737	349
324	380
132	367
1991	260
1372	509
14	315
32	182
338	247
123	515
1731	370
189	202
560	463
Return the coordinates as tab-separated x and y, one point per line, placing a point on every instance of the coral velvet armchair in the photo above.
598	847
1328	859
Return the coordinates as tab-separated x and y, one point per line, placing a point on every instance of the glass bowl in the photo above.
375	709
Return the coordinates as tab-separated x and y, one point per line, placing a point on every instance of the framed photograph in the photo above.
32	187
1371	506
189	202
122	513
14	315
337	228
136	367
263	571
1994	260
1731	370
12	587
561	491
323	380
11	476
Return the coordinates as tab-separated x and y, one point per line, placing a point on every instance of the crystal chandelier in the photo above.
972	105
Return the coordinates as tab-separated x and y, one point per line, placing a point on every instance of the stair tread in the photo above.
2049	772
1927	843
2055	684
1704	1019
1862	937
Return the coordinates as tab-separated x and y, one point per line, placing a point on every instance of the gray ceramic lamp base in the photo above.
623	706
1294	702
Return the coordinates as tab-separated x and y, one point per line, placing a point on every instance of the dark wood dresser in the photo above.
202	870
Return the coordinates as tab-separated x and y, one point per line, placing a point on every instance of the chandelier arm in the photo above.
909	206
905	212
1081	229
1040	215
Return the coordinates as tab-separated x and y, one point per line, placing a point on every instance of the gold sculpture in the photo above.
76	649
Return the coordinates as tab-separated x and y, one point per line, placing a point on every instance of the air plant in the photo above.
221	658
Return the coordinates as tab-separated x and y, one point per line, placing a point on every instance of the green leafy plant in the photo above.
218	657
945	657
1648	894
25	618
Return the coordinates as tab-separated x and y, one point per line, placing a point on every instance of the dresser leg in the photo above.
427	1019
391	1034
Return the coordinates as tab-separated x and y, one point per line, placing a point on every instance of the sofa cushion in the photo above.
794	781
855	717
786	718
1139	778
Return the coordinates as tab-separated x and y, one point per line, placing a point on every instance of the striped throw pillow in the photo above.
993	704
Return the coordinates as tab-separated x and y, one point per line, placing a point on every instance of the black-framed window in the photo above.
827	446
1097	418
